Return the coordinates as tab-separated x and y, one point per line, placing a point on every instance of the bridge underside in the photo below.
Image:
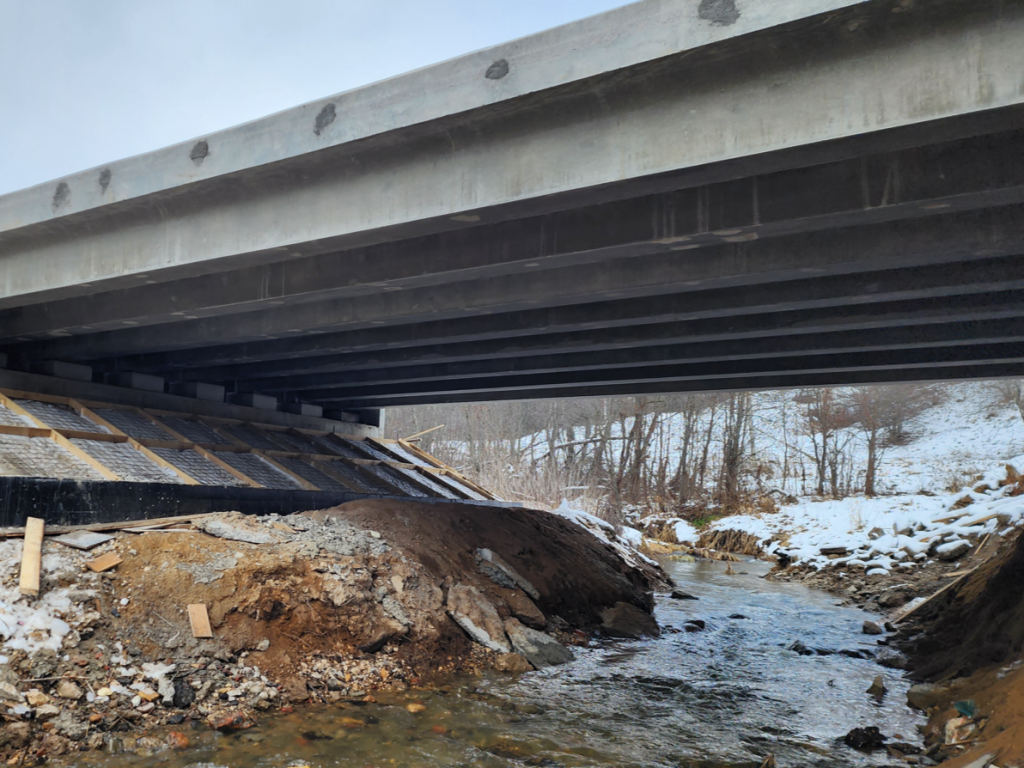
889	247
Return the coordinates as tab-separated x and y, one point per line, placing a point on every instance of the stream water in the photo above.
727	696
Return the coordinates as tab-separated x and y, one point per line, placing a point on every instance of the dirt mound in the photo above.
325	606
979	622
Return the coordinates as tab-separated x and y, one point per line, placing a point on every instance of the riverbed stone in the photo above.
475	614
923	696
69	690
512	662
871	628
953	550
626	620
538	648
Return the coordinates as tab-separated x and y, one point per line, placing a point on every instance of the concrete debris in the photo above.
538	648
387	591
478	617
83	539
503	574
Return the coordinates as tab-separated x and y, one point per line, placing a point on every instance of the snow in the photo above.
26	624
625	542
880	532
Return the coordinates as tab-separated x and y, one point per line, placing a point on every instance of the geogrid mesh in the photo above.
311	474
251	437
12	419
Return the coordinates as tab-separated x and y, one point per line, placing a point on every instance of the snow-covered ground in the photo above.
888	532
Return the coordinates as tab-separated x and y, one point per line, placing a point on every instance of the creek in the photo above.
727	696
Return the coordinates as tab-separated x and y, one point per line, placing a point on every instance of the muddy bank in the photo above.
327	606
957	628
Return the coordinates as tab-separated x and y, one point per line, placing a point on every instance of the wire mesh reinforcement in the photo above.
11	419
259	470
357	482
196	431
126	462
311	474
251	437
133	424
41	457
60	416
198	467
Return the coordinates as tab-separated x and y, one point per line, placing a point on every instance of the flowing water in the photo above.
728	696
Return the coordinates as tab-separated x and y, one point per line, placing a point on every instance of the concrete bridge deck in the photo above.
672	196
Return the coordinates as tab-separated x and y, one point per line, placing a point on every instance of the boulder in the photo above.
870	628
680	595
524	609
501	573
472	611
877	688
625	620
865	739
923	696
953	550
538	648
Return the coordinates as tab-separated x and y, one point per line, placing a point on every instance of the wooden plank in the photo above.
103	563
6	429
20	395
100	437
200	621
121	526
32	557
420	434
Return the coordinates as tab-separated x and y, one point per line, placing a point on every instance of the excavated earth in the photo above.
330	605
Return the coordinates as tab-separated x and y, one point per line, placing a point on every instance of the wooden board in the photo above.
31	556
83	539
103	562
200	621
123	526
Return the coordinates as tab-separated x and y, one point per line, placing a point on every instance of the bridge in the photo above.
676	195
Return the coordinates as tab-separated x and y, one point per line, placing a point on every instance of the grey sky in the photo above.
85	82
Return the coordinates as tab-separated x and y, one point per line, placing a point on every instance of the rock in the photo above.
698	623
46	712
36	698
538	648
828	551
9	693
923	696
523	608
512	662
69	690
184	694
18	734
501	573
954	550
893	659
70	726
856	654
679	595
876	533
236	527
625	620
800	648
263	645
893	599
44	663
146	707
865	739
737	616
877	688
378	639
229	722
177	740
416	707
870	628
478	617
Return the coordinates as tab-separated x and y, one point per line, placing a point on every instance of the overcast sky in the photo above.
86	82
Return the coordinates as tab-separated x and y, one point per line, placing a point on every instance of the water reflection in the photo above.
726	696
